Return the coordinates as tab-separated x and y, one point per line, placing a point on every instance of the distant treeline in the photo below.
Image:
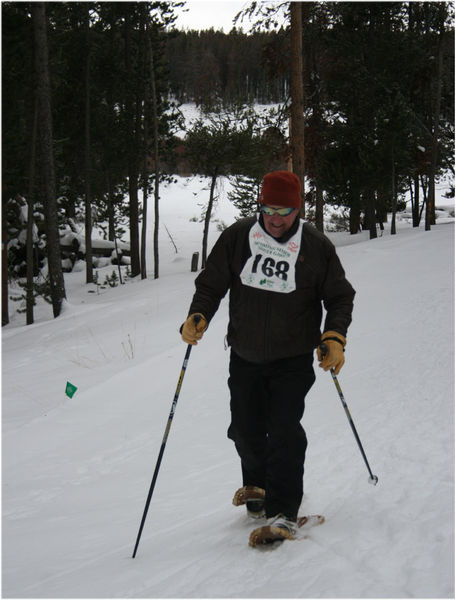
206	65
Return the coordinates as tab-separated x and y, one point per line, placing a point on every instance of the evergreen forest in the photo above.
91	121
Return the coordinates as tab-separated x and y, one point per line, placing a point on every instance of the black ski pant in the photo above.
267	404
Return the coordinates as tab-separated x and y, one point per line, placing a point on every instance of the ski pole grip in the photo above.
323	348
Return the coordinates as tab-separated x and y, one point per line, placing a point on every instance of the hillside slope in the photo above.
76	472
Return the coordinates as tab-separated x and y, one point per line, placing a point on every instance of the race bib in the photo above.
271	265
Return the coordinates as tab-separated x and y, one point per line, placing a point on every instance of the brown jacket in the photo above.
265	325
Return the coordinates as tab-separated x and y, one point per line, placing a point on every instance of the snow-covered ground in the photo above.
76	472
192	113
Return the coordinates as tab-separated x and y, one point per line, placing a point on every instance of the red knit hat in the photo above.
281	188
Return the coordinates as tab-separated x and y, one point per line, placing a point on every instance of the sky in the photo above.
204	14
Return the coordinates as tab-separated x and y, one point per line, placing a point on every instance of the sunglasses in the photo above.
283	212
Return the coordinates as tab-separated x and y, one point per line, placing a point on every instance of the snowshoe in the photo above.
280	528
254	499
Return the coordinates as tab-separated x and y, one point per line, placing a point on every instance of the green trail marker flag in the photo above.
70	389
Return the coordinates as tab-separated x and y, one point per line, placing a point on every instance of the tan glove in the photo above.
334	359
193	329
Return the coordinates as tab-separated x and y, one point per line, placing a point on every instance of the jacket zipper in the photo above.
267	352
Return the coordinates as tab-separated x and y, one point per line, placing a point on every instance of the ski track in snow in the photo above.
76	472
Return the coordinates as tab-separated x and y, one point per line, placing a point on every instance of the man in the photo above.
279	271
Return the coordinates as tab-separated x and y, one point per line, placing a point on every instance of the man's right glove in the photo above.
193	329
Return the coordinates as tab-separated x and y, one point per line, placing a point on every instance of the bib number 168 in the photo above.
270	268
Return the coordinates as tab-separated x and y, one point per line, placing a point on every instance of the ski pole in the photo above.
373	479
197	318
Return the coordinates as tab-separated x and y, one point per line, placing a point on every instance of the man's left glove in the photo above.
334	359
193	329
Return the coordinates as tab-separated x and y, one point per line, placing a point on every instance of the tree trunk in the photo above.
110	208
370	214
132	157
393	225
415	207
354	212
297	120
319	208
88	195
5	312
430	205
134	222
145	173
156	156
57	283
30	203
208	215
144	216
381	206
430	214
424	184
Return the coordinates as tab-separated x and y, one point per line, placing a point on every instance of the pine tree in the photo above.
245	194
